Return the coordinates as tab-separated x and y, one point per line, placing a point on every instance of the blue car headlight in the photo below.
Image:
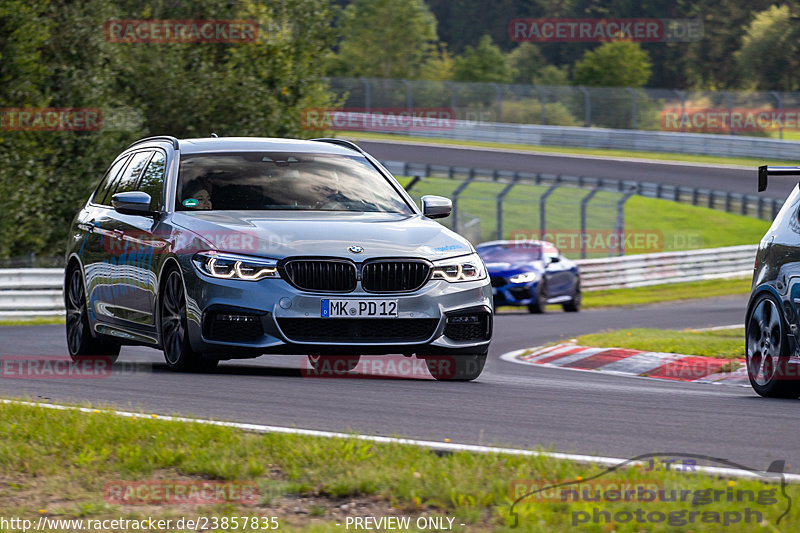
465	268
525	277
232	266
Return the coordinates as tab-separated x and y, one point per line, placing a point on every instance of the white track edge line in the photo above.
444	446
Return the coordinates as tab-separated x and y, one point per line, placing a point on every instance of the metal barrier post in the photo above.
413	182
367	94
499	101
457	193
584	202
620	229
541	103
779	99
542	207
634	106
587	106
500	198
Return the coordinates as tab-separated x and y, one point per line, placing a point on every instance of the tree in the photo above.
614	64
770	53
385	39
527	61
485	62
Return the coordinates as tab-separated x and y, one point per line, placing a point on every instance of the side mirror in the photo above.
436	206
132	203
555	259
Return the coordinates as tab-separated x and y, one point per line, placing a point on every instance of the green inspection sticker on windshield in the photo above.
191	202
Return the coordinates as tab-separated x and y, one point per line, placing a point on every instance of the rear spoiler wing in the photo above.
765	171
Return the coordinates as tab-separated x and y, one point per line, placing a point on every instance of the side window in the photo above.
102	190
152	181
130	178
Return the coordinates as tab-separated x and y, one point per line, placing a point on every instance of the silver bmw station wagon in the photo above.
224	248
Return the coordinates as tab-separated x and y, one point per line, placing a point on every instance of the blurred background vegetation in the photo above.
53	53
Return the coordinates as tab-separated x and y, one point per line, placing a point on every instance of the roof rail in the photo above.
173	140
340	142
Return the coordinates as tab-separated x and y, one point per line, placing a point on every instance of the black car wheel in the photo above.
80	342
174	337
540	304
767	352
574	305
455	367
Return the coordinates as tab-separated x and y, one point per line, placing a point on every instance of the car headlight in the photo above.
525	277
464	268
231	266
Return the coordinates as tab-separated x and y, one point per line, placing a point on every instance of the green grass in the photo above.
663	225
57	463
43	321
632	154
665	293
724	343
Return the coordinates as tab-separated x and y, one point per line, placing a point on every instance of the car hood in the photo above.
510	269
321	233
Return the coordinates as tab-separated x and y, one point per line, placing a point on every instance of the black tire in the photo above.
178	352
455	367
332	365
767	351
80	342
540	305
574	305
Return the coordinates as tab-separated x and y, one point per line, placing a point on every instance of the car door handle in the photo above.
118	234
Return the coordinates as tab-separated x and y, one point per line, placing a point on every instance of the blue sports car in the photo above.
531	273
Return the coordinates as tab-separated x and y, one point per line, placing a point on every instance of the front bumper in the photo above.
234	319
515	294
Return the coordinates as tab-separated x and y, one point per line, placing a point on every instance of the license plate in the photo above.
358	308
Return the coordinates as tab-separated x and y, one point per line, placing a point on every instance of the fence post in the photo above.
584	202
620	229
682	98
634	106
367	94
498	96
457	193
779	99
587	106
542	208
452	88
541	103
730	111
413	182
500	198
409	95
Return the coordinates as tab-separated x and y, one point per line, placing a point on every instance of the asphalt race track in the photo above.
510	404
721	178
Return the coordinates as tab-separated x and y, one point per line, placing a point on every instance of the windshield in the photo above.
289	181
511	253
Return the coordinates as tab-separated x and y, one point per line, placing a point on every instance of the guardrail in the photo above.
37	292
667	267
612	139
31	292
